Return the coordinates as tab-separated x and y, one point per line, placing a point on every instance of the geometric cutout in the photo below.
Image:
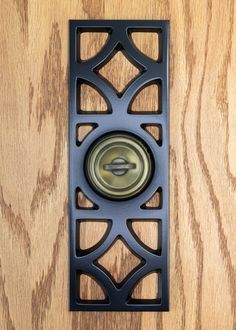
89	289
82	131
91	43
155	202
147	233
83	202
147	289
148	43
119	71
147	100
155	130
89	234
119	261
90	100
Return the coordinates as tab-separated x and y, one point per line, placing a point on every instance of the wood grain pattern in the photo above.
119	261
33	171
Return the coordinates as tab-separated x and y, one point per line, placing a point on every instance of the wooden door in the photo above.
34	164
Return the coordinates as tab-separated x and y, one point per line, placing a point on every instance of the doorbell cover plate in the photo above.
119	166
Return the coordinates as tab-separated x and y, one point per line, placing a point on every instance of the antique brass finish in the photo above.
119	166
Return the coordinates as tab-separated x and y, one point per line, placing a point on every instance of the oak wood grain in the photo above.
33	171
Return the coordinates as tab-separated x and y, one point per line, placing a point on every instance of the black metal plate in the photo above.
118	212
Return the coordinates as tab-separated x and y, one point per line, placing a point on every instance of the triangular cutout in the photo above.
89	233
119	261
89	289
90	100
147	100
83	202
147	232
155	130
148	43
155	202
82	131
91	43
147	288
119	71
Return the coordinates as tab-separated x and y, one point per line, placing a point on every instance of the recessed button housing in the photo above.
119	165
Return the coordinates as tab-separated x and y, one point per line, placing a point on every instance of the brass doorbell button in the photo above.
119	166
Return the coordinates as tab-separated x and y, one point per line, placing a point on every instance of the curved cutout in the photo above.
147	233
119	71
82	131
155	202
148	43
155	130
90	234
89	289
147	99
91	43
147	289
90	99
83	202
119	261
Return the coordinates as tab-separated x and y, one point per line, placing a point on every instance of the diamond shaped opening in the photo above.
119	261
119	71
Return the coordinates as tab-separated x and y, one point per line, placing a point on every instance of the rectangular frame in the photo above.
119	118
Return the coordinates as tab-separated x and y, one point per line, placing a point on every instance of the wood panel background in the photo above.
33	164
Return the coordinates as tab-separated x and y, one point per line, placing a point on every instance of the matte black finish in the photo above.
118	212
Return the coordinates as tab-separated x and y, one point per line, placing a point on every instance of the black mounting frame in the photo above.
119	119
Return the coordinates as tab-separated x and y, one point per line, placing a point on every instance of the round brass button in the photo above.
119	166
